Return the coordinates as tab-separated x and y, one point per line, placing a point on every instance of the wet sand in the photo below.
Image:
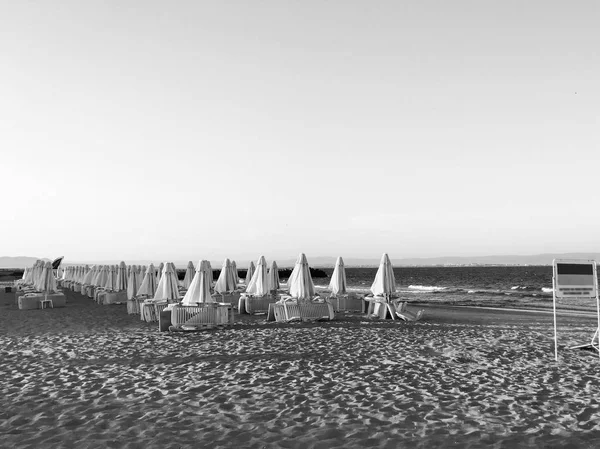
93	376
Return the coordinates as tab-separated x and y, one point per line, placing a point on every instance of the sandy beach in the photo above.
93	376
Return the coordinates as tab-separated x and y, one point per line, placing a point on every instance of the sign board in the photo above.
575	278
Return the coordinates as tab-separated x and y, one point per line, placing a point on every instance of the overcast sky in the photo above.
182	130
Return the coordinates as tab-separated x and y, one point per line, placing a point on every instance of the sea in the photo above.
482	281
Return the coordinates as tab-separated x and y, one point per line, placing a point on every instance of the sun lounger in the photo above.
134	304
347	303
290	309
407	315
201	316
255	304
115	298
232	298
32	301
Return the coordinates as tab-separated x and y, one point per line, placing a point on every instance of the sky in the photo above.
187	130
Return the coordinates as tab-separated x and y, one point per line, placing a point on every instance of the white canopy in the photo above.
300	282
385	281
338	278
259	284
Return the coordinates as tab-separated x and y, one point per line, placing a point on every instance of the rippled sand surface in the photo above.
92	376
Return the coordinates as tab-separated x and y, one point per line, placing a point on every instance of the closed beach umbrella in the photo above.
89	276
273	277
235	272
300	282
102	276
167	287
259	284
250	273
121	278
37	275
209	272
199	291
226	282
141	272
28	279
47	282
133	282
385	281
149	283
161	268
338	278
111	278
189	275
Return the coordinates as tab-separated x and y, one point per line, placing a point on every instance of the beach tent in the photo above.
385	281
167	288
226	281
300	283
338	278
250	272
273	277
259	283
189	275
199	291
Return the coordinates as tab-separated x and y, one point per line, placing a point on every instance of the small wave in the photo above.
426	288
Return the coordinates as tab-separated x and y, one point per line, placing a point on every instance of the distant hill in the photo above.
324	262
18	262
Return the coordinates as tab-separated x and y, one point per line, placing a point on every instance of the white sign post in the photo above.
575	278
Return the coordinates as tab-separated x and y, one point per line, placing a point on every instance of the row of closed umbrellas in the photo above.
162	283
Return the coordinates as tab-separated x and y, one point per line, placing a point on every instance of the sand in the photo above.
93	376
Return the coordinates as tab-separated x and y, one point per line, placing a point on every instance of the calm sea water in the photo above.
518	281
